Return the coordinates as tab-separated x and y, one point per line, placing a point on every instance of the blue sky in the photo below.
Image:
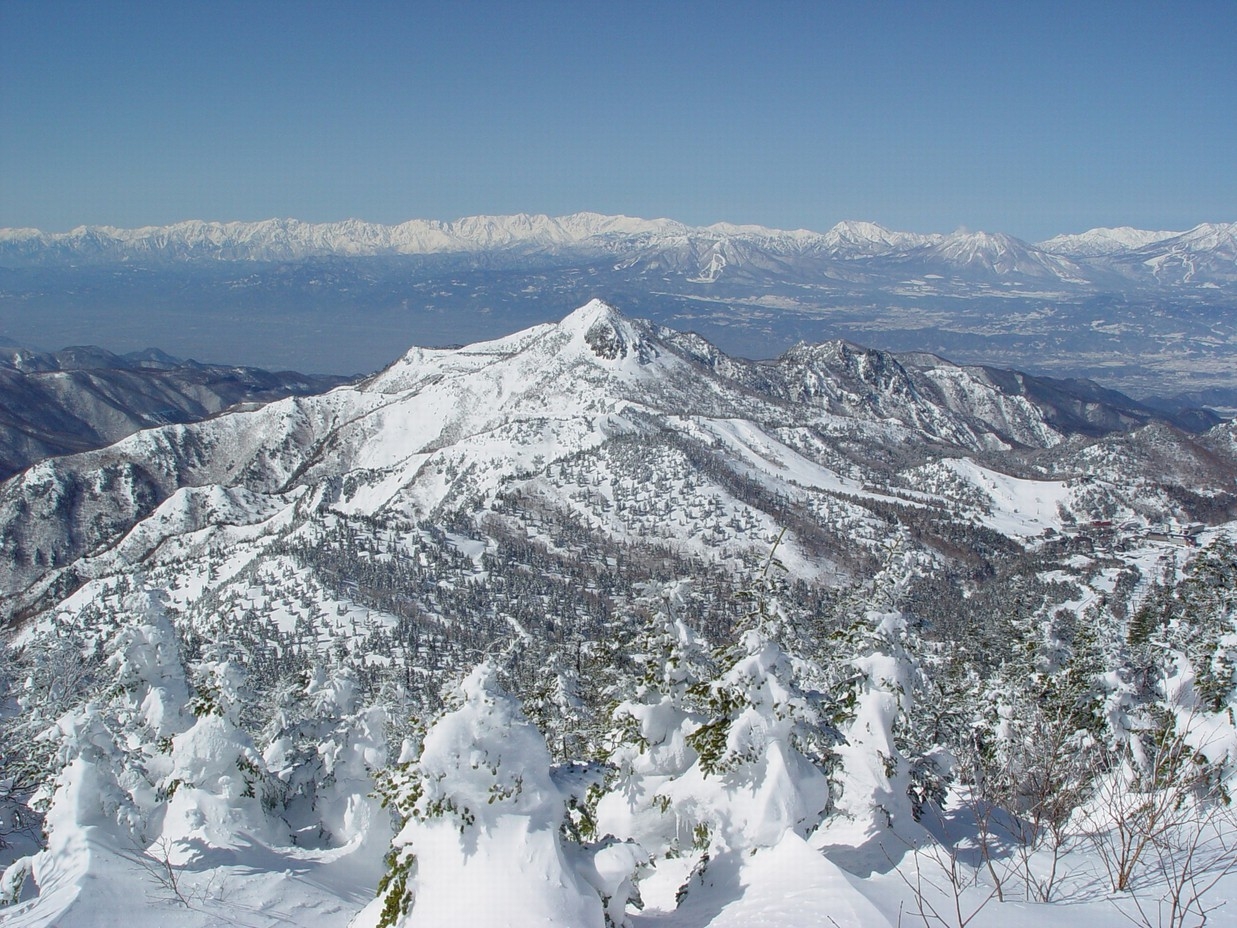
1028	118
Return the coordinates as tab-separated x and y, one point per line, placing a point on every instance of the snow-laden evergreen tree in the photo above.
761	742
109	755
1040	718
1171	742
1030	764
556	706
217	786
648	746
151	694
91	814
1196	625
322	745
482	841
877	801
43	680
38	687
890	767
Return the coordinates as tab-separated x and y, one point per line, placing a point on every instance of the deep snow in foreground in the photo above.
713	809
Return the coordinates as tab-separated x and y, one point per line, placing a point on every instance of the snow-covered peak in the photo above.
21	234
1208	236
864	237
1001	254
591	313
1102	241
869	238
840	367
594	340
970	243
1205	255
603	330
554	359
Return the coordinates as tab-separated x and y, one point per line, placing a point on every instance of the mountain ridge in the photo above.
440	429
84	397
289	239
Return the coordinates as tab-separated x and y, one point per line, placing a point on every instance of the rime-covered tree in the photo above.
760	739
648	745
482	840
322	746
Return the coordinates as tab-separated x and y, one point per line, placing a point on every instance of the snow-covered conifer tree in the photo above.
109	754
885	773
215	785
761	742
555	705
482	842
321	750
648	745
145	661
873	781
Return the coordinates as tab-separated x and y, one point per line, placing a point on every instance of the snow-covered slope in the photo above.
441	429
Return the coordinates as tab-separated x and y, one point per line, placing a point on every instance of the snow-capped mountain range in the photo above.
291	240
258	293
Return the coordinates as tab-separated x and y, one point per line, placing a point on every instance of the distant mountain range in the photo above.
1206	253
1151	312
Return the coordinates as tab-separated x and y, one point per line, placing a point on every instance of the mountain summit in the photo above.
445	428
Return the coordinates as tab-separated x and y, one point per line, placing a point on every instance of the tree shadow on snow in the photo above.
714	884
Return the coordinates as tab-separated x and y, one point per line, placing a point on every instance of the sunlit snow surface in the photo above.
517	412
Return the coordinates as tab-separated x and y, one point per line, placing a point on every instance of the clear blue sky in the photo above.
1028	118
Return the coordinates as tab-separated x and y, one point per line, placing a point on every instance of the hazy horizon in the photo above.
1031	120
